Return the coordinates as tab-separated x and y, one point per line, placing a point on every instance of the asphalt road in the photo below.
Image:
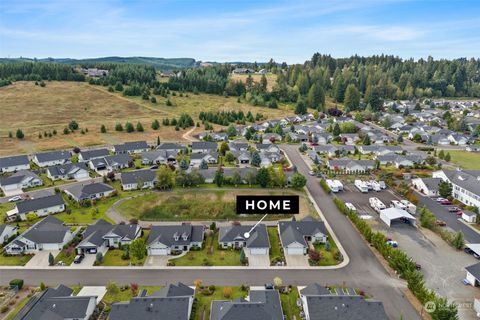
364	270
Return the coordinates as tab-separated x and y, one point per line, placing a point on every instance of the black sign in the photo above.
268	204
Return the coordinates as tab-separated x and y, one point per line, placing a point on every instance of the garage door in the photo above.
158	252
258	251
294	250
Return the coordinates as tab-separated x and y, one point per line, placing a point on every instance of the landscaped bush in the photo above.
324	186
16	283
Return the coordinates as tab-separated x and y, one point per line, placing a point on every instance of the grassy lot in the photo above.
17	308
275	245
289	303
87	215
114	258
327	257
198	204
205	301
16	260
271	79
466	160
126	295
210	255
64	257
91	106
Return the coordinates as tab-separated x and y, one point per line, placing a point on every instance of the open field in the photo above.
199	204
271	79
466	160
35	110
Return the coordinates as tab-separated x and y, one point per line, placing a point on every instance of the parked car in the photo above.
78	258
446	202
468	250
440	199
440	223
453	209
466	282
15	199
311	173
269	286
350	206
392	243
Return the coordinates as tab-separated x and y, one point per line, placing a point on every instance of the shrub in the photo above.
16	283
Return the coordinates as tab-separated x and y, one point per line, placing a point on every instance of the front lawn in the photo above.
209	255
467	160
113	258
204	301
276	250
327	257
125	293
66	256
289	303
14	260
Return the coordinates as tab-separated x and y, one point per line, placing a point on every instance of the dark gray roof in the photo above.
130	146
135	176
96	153
474	270
118	159
48	230
467	179
333	307
81	192
432	183
296	231
204	145
53	155
18	177
155	154
67	169
171	146
201	155
13	161
314	289
263	305
165	234
172	303
55	304
258	237
40	203
95	233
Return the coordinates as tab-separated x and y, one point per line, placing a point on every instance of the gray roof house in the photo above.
173	302
40	206
162	240
87	155
234	237
204	146
6	232
111	163
159	156
351	166
20	180
15	163
75	171
473	274
295	235
58	304
465	183
427	186
52	158
144	179
47	234
89	191
319	304
131	147
261	304
198	157
172	147
101	235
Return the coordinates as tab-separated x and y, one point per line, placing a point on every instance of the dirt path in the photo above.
187	136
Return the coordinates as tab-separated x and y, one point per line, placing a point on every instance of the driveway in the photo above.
157	261
296	260
88	261
258	260
40	259
88	291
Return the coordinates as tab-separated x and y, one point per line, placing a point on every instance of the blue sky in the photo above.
244	30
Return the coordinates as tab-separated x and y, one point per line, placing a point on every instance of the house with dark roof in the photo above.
111	163
102	235
20	180
52	158
47	234
69	171
238	145
162	240
173	302
204	147
138	179
58	304
473	274
87	155
197	158
234	236
131	147
15	163
321	304
261	304
295	236
6	232
39	206
92	191
348	165
172	147
159	157
465	185
427	186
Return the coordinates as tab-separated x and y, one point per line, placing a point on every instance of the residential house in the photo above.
52	158
465	185
204	147
351	166
102	235
234	237
15	163
171	302
272	148
473	274
238	146
427	186
297	137
162	240
197	158
111	163
243	157
322	138
244	172
91	191
349	138
40	206
271	137
7	231
20	180
87	155
47	234
458	139
58	303
172	147
296	235
139	179
159	157
70	171
131	147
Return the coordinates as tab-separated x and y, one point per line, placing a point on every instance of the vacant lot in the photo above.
198	204
271	79
466	160
37	110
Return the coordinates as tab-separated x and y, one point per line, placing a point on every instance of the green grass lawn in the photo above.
67	259
289	304
327	257
205	301
467	160
114	258
126	295
217	257
15	260
275	245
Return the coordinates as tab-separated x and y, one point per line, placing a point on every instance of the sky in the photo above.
246	30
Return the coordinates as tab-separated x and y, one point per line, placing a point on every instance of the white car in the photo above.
350	206
15	199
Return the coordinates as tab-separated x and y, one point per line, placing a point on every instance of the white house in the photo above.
427	186
295	236
465	185
69	171
52	158
6	232
234	237
20	180
40	206
132	180
162	240
15	163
